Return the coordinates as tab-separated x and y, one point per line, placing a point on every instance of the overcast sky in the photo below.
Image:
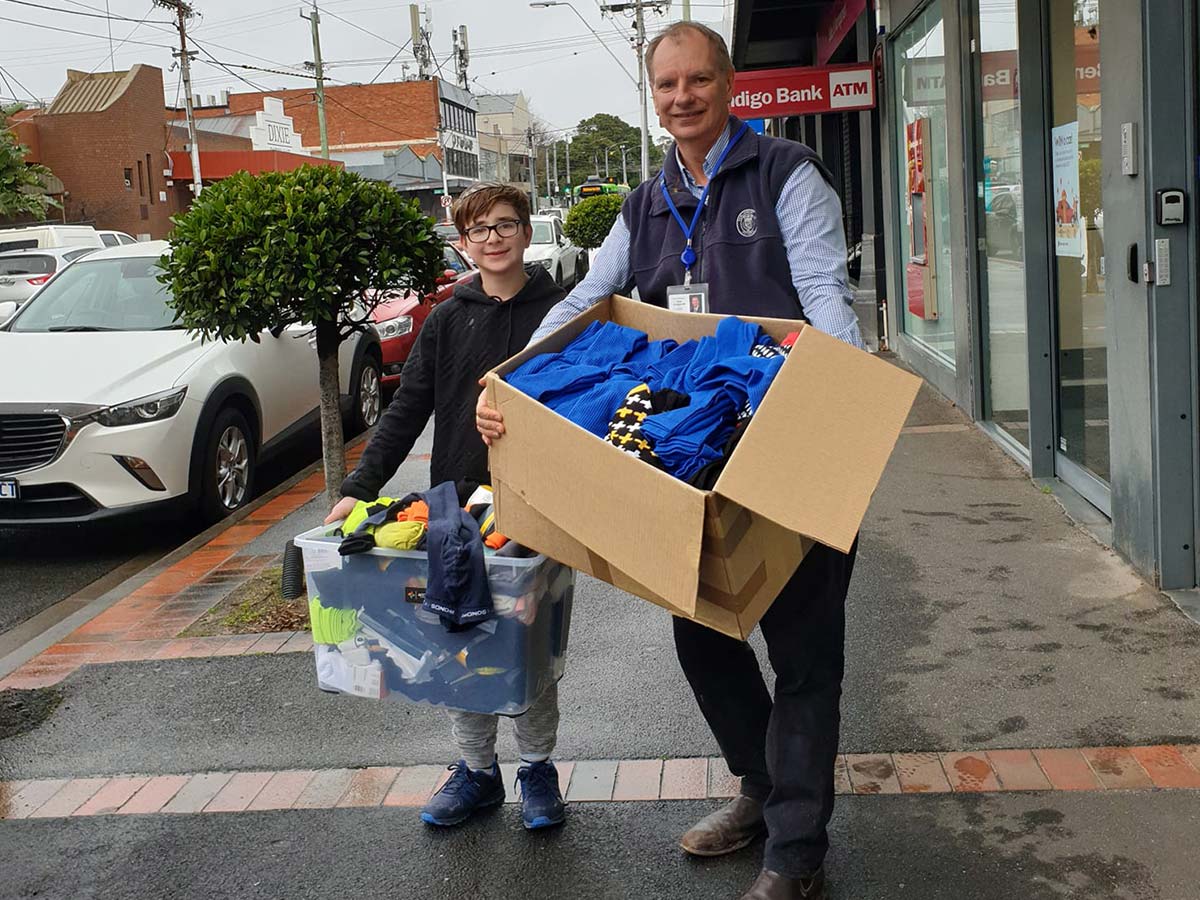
547	53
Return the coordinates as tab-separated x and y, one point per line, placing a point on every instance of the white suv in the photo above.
109	406
551	250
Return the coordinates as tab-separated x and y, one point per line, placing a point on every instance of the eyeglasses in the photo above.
477	234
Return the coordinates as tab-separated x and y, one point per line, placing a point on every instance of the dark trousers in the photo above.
784	751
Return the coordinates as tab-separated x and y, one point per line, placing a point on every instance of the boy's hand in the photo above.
342	509
488	421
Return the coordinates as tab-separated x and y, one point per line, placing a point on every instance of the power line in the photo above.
97	37
21	86
384	67
363	30
113	50
72	12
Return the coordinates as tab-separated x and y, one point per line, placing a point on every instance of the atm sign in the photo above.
803	91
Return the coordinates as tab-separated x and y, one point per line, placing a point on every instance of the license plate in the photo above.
9	490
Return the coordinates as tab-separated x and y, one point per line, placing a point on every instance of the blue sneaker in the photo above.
541	801
464	793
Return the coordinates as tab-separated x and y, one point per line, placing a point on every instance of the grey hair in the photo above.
716	42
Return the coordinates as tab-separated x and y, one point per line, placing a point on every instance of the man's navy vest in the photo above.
740	250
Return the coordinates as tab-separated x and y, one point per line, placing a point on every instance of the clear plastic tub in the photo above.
379	642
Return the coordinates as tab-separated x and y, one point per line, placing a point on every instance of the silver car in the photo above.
23	272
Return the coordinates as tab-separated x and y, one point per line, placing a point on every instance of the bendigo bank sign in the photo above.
803	91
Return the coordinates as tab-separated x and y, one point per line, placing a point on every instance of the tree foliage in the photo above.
317	244
601	132
589	221
22	190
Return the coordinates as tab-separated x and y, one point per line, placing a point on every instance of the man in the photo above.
767	242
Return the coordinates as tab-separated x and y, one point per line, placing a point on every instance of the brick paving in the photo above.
146	623
1156	768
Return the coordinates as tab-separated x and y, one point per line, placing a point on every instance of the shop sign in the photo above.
273	130
463	142
837	22
803	91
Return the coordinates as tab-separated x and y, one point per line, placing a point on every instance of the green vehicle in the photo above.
595	186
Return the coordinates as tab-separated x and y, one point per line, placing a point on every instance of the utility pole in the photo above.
624	170
554	190
532	169
462	56
183	9
687	10
639	8
319	69
569	184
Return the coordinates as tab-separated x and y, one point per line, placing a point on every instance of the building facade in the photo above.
1037	246
1042	248
504	123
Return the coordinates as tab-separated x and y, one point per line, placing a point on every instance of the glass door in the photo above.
1078	234
1000	194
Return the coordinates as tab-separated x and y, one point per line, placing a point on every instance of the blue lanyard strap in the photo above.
688	256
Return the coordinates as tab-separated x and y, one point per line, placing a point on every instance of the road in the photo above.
52	563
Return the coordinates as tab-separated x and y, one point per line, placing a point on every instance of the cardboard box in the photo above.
804	471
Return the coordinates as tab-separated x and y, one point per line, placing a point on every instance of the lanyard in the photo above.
688	256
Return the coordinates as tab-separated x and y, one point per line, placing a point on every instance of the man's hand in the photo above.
342	509
488	421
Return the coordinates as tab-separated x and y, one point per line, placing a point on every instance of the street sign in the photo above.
803	91
447	201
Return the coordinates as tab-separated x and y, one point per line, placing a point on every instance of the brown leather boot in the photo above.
773	886
730	828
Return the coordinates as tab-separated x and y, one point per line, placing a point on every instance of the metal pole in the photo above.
607	150
569	185
624	170
445	163
641	47
186	73
687	10
555	145
532	169
315	21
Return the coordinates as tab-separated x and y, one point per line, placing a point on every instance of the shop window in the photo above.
919	60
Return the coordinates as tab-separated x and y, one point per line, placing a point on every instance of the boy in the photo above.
488	319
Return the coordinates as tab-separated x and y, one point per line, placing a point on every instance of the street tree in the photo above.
22	184
589	221
315	245
603	133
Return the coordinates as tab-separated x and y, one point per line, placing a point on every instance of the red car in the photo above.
399	320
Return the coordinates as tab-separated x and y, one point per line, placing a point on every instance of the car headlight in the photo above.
545	263
393	328
145	409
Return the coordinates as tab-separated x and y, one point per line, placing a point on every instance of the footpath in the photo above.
1020	718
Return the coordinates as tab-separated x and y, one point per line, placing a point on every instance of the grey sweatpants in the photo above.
536	731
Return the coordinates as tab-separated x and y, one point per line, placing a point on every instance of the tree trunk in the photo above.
333	445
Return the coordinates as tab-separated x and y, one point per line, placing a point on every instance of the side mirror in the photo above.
7	310
449	276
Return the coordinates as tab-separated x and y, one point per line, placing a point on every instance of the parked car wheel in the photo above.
229	459
368	394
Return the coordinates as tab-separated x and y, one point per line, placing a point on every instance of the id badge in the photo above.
688	297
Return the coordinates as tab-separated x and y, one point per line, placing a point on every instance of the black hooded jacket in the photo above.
461	340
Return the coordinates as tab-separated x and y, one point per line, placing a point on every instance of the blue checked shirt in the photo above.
810	219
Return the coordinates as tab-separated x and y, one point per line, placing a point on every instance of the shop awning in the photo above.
217	164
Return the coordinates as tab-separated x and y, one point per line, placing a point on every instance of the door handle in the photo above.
1131	264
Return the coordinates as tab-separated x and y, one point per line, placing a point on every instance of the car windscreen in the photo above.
18	244
543	233
27	265
100	295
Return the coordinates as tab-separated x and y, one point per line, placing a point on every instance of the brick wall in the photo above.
355	114
90	152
